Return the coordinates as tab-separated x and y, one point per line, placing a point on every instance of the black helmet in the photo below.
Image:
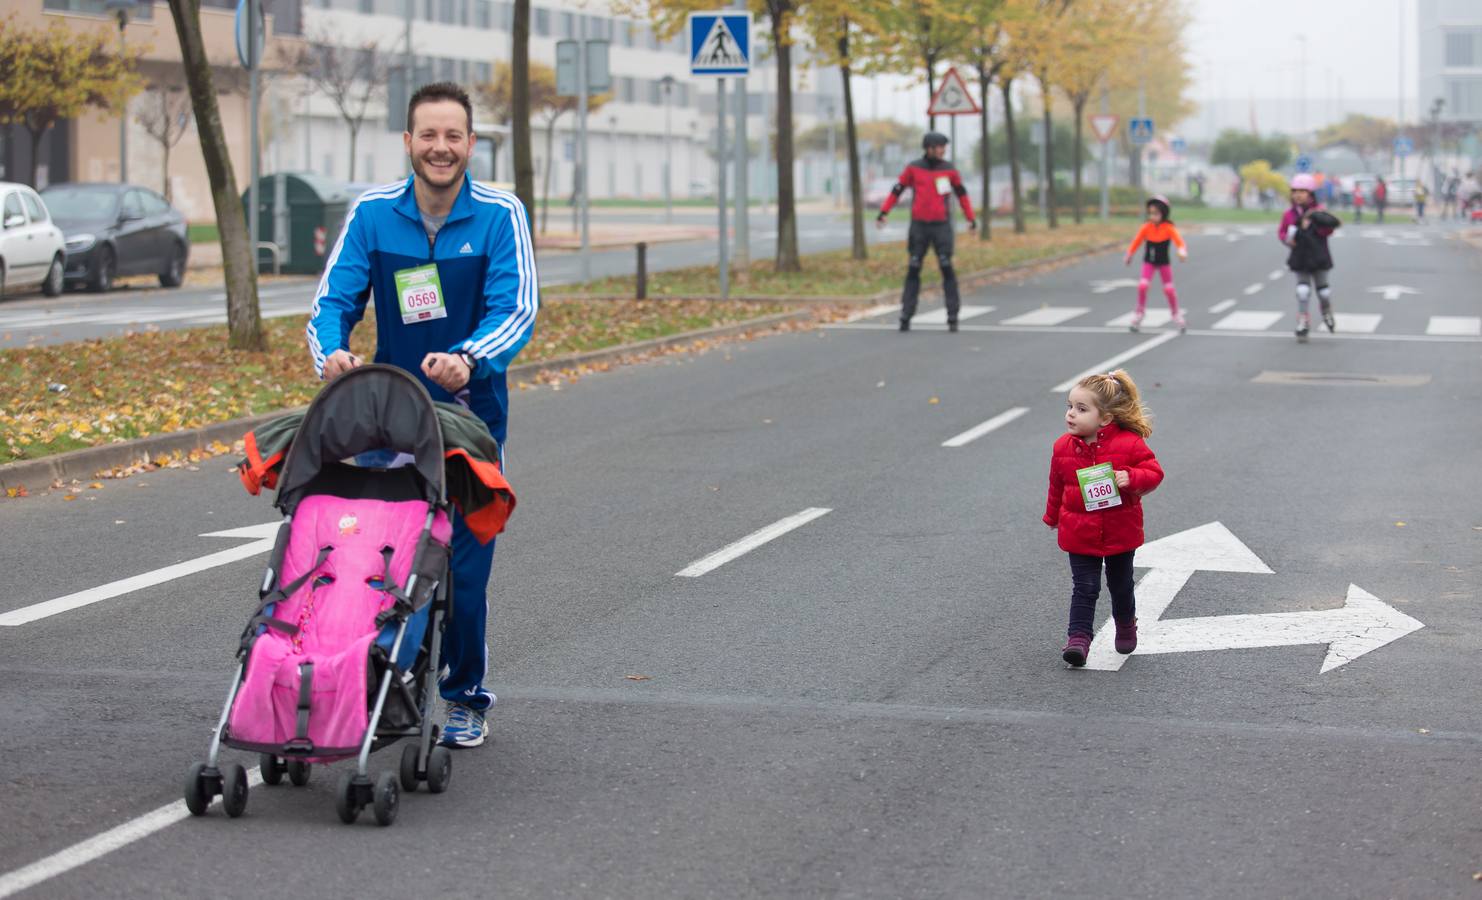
933	139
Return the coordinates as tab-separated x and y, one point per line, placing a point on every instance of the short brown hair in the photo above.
440	90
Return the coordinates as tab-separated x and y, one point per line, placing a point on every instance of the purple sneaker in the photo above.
1076	649
1126	640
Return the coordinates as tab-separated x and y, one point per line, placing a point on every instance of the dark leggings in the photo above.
1085	571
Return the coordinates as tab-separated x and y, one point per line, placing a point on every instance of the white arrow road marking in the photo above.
977	431
1106	365
1393	291
1106	286
1362	624
266	534
750	542
1173	561
1221	306
84	852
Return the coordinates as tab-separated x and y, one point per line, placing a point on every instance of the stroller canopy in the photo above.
378	407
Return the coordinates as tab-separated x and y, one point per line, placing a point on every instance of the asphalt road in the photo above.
871	704
30	319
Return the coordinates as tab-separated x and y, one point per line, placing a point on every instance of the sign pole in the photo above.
582	77
743	162
720	181
254	98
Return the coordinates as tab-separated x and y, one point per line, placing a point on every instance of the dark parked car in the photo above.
118	229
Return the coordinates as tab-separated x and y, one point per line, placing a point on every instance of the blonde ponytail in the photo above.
1116	395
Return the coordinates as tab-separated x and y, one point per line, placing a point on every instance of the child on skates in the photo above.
1305	228
1099	471
1158	232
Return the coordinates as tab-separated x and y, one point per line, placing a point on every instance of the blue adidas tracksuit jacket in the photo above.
486	267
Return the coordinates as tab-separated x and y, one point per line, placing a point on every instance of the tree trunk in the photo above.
931	91
36	135
244	322
1008	123
354	134
520	115
985	215
1080	148
166	172
858	247
545	199
1054	220
787	214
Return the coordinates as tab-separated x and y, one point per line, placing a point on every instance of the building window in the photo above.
568	25
1463	49
627	90
504	15
95	7
542	21
483	14
1464	98
625	34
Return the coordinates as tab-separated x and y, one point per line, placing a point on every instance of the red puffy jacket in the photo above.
1103	532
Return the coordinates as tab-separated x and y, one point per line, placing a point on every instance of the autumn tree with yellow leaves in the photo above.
55	74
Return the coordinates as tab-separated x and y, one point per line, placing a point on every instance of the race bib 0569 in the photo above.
419	292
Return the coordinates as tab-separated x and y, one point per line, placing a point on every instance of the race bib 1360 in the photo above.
1099	487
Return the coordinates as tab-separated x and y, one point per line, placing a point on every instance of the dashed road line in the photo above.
977	431
750	542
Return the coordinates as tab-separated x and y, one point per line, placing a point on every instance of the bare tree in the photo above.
520	110
352	77
164	113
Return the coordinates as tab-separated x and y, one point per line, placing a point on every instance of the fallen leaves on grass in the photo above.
157	382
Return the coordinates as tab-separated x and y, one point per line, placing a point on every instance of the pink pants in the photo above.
1165	272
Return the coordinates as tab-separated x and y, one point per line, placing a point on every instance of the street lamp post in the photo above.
121	9
833	162
612	156
668	84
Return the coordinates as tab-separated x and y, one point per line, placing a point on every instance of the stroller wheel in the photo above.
409	779
388	798
198	792
346	803
271	768
298	772
233	790
439	769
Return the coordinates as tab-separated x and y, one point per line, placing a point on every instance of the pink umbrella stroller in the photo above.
341	657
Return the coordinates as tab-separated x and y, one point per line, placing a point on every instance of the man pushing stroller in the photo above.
452	270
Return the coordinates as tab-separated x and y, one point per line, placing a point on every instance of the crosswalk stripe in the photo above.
1155	318
1357	323
1249	320
1454	325
939	316
1049	315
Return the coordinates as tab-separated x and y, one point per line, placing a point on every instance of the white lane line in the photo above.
977	431
1107	365
1249	320
1049	315
1192	332
1254	289
874	311
1357	323
1454	325
939	316
1155	318
1276	274
84	852
1221	306
751	542
47	608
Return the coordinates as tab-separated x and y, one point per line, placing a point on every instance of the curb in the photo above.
36	474
970	280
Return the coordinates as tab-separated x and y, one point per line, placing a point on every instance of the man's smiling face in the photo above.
440	142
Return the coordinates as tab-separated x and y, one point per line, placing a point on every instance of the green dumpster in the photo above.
301	214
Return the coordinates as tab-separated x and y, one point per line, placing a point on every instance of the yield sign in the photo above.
1363	623
952	98
1104	125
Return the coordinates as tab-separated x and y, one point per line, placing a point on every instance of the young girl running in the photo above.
1158	232
1099	471
1305	228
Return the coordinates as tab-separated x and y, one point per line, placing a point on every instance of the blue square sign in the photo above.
720	43
1140	130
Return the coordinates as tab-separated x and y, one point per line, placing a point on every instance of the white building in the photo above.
460	40
1450	33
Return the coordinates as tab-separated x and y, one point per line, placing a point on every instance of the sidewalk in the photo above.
603	235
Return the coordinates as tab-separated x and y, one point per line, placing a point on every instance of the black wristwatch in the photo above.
468	360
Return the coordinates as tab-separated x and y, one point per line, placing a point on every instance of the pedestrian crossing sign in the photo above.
720	43
1140	130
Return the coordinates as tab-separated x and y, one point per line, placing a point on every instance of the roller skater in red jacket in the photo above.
931	180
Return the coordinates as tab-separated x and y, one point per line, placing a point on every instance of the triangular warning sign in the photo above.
719	49
1104	125
952	98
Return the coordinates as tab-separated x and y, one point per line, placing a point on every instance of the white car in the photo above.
32	249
